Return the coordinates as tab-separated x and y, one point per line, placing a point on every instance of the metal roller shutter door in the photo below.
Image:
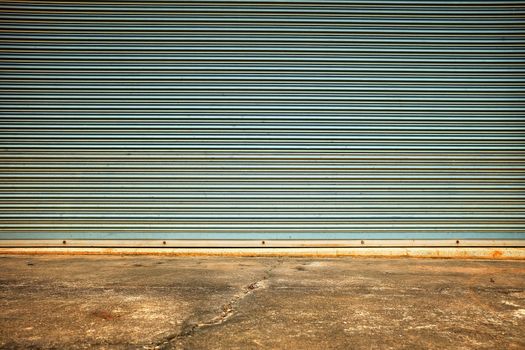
267	120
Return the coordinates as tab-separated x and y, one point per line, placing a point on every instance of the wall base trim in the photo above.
253	243
513	253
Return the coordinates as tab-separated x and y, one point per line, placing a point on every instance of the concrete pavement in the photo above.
148	302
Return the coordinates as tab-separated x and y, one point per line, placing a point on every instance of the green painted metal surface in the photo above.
262	120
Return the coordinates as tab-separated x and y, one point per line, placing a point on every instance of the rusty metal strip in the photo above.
501	253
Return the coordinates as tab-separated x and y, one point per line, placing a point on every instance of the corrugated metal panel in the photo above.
276	119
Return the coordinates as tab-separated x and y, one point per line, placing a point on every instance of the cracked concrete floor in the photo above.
147	302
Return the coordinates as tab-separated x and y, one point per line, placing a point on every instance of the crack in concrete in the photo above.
227	311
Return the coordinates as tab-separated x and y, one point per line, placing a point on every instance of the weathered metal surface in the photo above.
382	252
274	120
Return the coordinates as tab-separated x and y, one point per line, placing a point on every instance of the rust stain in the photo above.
496	254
